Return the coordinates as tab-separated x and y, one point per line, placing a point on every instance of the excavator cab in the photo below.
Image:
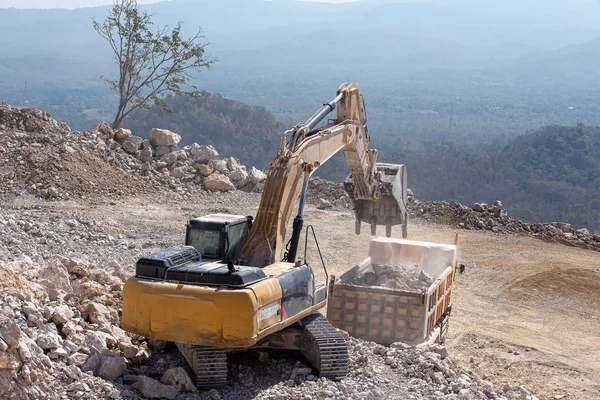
218	237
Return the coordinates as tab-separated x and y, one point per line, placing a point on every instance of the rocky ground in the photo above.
495	218
45	158
60	338
79	208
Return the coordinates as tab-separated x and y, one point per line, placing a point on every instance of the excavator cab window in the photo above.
207	242
237	238
218	236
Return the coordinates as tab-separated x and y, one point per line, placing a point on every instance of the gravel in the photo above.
63	274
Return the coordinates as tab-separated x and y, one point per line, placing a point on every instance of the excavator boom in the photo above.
378	192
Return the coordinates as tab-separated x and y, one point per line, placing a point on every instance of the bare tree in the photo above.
152	61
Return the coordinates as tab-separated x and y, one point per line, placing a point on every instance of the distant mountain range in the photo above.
459	59
285	36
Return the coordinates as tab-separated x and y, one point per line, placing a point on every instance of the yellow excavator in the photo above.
237	285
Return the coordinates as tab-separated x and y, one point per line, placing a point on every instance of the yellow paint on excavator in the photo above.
210	316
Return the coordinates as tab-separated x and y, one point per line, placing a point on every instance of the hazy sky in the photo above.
60	3
81	3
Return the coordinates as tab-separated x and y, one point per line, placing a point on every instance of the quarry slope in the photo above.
525	312
522	311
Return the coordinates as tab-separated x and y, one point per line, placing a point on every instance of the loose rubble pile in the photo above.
60	338
495	219
404	277
59	330
328	195
40	232
395	372
45	158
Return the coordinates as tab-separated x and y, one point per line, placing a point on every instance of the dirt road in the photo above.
526	311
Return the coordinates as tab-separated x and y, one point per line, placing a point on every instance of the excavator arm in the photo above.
301	154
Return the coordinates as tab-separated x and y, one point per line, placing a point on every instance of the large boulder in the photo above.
11	333
74	266
128	349
163	137
179	379
203	154
55	278
220	166
62	314
97	313
132	144
10	361
170	158
111	368
239	177
582	233
479	207
146	154
78	359
105	129
92	364
233	163
181	155
95	342
218	183
29	350
48	340
121	134
161	151
256	175
153	389
204	169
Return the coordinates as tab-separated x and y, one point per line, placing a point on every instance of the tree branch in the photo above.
151	63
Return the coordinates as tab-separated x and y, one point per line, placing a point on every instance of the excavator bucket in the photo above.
391	208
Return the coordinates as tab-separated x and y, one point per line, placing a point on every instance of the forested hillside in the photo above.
250	133
550	174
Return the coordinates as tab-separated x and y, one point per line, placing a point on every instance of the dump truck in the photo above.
369	310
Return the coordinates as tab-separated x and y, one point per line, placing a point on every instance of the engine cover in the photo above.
183	264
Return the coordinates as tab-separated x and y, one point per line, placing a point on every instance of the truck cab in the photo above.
218	237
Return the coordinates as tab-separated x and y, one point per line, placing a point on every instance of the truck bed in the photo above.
385	315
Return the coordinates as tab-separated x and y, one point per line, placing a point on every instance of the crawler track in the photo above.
332	348
209	364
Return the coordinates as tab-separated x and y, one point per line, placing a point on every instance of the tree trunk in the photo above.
118	118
